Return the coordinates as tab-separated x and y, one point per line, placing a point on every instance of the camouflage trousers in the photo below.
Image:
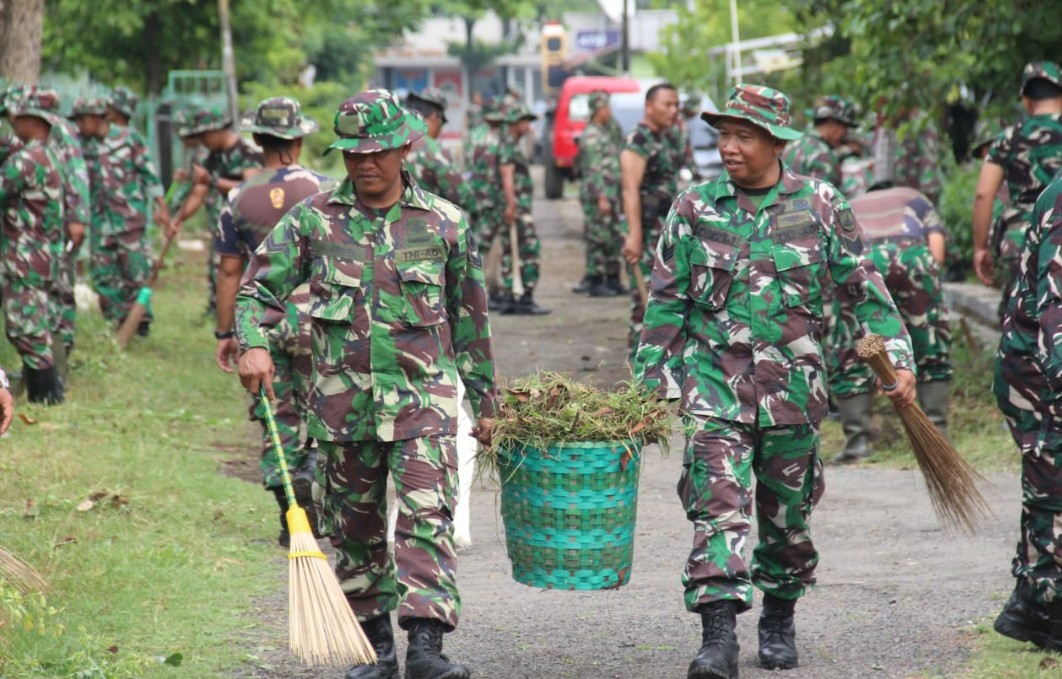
292	354
120	267
29	321
421	580
716	492
213	262
604	238
651	230
529	249
913	279
63	298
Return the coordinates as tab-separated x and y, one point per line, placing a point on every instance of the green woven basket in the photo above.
569	513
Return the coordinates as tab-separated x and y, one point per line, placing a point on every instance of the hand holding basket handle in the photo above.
951	480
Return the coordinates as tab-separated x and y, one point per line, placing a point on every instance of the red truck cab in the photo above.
566	121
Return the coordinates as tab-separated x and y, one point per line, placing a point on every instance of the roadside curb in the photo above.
975	301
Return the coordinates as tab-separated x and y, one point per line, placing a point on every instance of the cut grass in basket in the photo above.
547	408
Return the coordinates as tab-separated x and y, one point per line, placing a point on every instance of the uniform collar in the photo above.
788	183
412	195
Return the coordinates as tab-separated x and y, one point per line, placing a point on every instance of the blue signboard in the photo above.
592	41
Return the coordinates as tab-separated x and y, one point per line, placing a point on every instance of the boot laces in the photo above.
717	626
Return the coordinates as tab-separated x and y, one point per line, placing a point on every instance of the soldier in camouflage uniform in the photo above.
916	155
399	314
431	164
1028	385
192	153
816	154
906	242
31	196
250	214
1027	156
599	193
230	161
124	184
514	169
9	141
649	167
483	208
733	329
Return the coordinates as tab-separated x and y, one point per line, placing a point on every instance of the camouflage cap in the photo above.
518	111
182	123
209	119
492	111
375	120
124	101
762	106
433	96
35	101
598	100
1045	70
836	108
279	117
88	106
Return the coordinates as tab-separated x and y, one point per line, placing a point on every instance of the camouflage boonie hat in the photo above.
88	106
492	111
598	99
375	120
279	117
38	102
762	106
124	101
836	108
1046	70
209	119
517	112
433	96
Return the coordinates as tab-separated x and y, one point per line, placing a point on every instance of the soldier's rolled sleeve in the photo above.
658	363
77	205
278	266
149	178
466	305
226	238
862	284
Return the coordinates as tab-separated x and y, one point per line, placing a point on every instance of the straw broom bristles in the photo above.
950	480
322	628
20	574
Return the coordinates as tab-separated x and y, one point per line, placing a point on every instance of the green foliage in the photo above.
179	566
922	53
956	207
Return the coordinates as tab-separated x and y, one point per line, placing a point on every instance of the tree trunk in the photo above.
21	23
154	76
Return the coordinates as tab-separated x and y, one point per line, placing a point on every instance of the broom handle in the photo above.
274	436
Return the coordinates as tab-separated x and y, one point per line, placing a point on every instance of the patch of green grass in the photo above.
1002	658
168	562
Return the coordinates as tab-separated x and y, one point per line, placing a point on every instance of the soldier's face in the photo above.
376	174
749	153
663	109
90	126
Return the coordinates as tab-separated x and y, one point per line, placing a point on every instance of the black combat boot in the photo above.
777	634
613	282
378	630
601	288
1024	619
424	658
584	285
501	302
525	306
43	386
718	657
284	539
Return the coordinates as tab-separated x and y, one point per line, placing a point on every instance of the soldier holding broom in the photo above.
399	314
733	328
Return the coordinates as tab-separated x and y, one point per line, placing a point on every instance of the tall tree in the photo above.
21	23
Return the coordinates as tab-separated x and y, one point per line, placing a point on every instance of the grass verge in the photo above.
159	576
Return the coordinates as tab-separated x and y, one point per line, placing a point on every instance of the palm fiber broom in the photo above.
322	629
139	310
950	479
20	574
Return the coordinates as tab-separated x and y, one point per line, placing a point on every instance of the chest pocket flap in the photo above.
798	264
712	267
334	284
422	289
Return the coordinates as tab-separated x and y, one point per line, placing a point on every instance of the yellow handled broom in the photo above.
321	627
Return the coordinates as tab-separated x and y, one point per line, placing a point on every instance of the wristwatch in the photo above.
228	334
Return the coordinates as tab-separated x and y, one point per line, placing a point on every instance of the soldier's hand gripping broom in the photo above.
321	627
950	479
139	310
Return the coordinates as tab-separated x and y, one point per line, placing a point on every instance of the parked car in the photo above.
565	122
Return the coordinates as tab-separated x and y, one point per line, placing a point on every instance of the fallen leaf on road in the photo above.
86	505
26	418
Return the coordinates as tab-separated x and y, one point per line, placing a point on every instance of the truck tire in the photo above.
554	180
